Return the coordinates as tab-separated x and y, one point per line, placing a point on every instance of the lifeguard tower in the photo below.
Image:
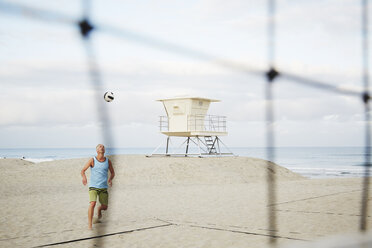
187	117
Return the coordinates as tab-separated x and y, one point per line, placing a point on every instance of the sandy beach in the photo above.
173	202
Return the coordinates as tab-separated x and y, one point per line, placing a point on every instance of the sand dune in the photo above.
173	202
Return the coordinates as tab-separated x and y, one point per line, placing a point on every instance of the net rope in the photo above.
86	27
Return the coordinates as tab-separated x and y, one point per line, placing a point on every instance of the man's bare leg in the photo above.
90	213
100	208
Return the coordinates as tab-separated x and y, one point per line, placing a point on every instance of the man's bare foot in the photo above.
90	228
96	220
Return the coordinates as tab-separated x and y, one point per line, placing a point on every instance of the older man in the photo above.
99	167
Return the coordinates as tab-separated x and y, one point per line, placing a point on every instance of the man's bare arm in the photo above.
112	173
86	166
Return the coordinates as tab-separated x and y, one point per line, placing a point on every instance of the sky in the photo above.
48	101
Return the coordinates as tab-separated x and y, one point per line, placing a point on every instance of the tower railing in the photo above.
163	123
209	123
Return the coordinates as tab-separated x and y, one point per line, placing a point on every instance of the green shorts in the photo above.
101	193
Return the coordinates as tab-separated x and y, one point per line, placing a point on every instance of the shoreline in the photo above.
311	162
309	172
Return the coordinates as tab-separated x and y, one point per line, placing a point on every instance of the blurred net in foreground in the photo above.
86	27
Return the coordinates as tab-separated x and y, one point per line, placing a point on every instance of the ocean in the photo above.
312	162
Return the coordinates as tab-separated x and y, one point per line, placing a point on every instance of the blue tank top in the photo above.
98	174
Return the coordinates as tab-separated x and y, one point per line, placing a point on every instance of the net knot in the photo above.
85	28
272	74
366	97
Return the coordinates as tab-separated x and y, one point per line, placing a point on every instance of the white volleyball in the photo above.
108	96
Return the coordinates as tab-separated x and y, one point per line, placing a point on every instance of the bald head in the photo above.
100	148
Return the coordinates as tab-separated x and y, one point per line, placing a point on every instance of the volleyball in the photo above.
108	96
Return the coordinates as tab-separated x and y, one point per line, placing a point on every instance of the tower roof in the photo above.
192	98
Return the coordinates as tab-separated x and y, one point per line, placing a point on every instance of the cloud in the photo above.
58	89
308	133
46	85
334	17
219	9
318	108
38	107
